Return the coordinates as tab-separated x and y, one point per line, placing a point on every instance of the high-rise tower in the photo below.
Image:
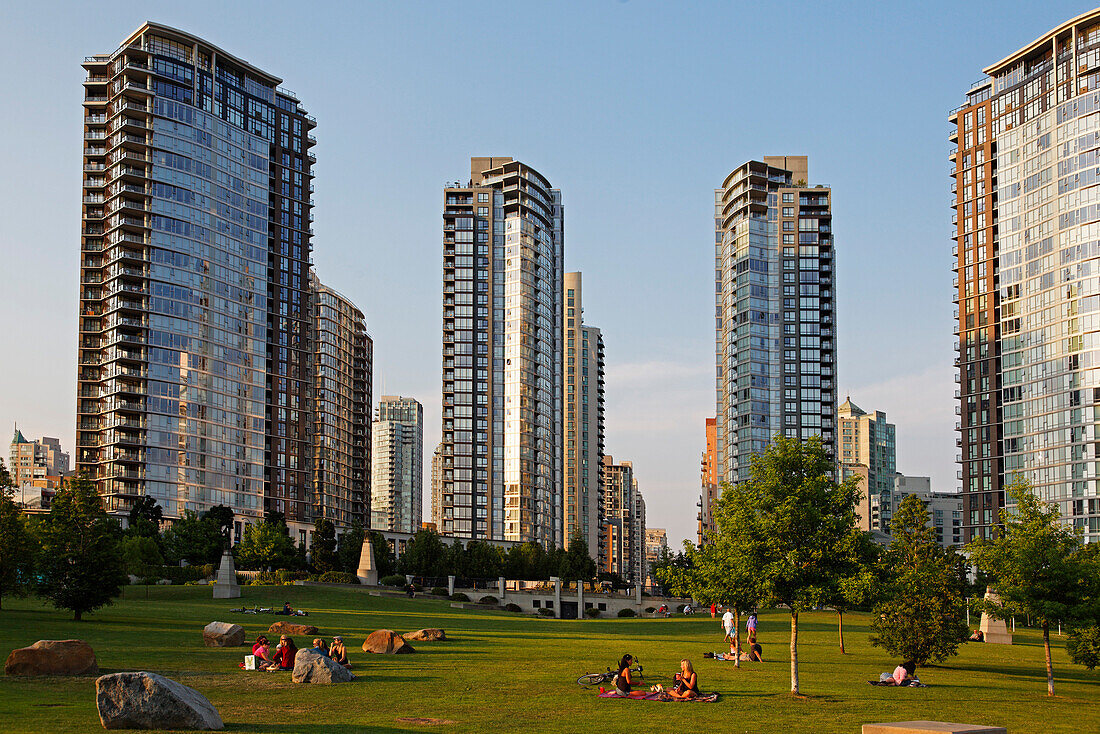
1027	239
775	322
195	359
584	423
397	462
502	355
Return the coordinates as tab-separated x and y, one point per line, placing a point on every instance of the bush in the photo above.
1083	646
592	612
440	591
208	570
282	577
650	610
510	607
394	580
680	608
338	577
628	612
417	587
175	574
545	612
459	596
488	600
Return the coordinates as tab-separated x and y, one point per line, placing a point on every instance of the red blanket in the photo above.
654	696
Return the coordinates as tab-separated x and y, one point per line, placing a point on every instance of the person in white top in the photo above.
727	624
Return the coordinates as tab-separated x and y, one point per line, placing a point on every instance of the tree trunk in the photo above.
794	652
1050	665
737	637
76	615
840	624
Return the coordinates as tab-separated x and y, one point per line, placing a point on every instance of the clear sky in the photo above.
635	110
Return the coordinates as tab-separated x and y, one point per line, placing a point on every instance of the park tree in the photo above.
350	548
576	564
80	567
857	583
268	545
383	554
193	539
17	546
139	552
424	555
221	517
793	523
145	518
322	554
1083	646
1037	566
483	560
921	610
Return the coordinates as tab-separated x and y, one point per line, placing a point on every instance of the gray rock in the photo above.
223	634
151	701
311	667
426	635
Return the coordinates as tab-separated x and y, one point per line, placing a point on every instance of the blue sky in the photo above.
635	110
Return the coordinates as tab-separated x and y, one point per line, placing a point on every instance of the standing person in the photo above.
751	624
713	610
727	625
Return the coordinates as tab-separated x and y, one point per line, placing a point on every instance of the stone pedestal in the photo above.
225	585
994	630
557	596
580	599
500	590
367	571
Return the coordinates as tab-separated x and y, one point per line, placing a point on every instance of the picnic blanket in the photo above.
654	696
910	684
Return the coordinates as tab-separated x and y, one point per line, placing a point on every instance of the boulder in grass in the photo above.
53	657
387	642
289	628
151	701
223	634
312	667
426	635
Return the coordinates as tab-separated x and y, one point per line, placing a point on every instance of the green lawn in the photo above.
505	673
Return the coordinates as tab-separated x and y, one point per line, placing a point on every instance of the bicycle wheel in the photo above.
591	679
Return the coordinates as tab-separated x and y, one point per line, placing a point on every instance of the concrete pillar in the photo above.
994	630
225	585
638	595
368	570
580	599
450	586
408	578
557	597
500	589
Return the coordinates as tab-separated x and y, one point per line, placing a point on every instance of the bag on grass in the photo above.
249	662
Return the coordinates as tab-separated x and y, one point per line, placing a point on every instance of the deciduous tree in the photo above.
921	612
80	567
16	544
322	551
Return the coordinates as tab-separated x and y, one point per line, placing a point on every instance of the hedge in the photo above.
592	612
440	591
394	580
627	612
488	600
545	612
459	596
338	577
510	607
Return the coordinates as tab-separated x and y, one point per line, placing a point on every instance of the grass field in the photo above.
507	673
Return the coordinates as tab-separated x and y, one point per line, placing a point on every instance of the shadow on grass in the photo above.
322	728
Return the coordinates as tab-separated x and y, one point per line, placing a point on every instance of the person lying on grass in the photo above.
687	682
754	654
902	675
338	652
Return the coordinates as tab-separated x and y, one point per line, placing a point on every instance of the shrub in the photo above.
680	608
175	574
510	607
338	577
208	570
592	612
440	591
488	600
394	580
417	587
650	610
459	596
282	577
545	612
1083	646
627	612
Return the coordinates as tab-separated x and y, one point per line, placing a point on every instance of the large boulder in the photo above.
289	628
312	667
386	642
223	634
53	657
151	701
426	635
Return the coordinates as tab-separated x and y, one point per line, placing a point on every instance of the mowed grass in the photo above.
511	673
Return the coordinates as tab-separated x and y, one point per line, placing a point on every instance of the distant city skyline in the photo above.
644	121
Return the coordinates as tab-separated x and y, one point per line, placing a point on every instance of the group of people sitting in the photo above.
283	655
686	687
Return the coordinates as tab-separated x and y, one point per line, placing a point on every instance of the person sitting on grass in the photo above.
623	681
338	652
687	682
319	647
261	649
977	636
754	654
285	654
901	676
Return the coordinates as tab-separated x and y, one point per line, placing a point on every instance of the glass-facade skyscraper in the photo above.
195	356
503	250
397	483
1026	226
775	320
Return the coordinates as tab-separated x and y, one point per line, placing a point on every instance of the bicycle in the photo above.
594	679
